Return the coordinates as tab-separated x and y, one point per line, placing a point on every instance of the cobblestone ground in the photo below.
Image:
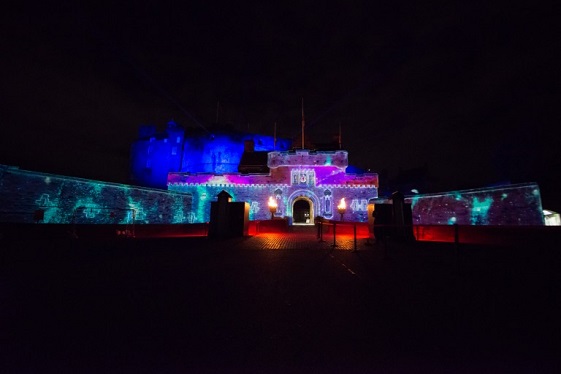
306	237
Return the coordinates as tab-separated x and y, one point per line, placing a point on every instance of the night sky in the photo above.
471	91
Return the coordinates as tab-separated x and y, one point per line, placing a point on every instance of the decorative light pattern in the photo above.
293	175
480	210
74	200
67	200
517	204
359	205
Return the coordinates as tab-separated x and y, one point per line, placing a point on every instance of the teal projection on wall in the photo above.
81	201
480	210
516	204
75	200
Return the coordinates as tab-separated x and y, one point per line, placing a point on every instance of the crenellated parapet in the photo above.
218	179
303	157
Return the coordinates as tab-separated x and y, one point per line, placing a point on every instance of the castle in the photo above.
156	153
177	175
252	168
304	183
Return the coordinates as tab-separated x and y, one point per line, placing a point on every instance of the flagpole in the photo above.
339	135
303	123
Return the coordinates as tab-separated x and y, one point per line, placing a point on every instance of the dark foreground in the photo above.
200	305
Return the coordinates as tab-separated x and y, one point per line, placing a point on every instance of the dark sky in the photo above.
469	89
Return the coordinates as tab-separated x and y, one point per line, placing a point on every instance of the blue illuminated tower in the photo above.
154	154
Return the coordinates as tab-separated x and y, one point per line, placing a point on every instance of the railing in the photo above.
327	230
325	225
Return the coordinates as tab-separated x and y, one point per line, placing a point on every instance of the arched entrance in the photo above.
302	211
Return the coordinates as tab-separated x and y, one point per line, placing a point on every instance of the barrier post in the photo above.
456	235
354	229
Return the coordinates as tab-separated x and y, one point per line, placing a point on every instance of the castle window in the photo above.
328	203
311	178
178	139
303	177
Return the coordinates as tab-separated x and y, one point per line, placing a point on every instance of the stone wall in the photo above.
517	204
324	199
25	194
64	200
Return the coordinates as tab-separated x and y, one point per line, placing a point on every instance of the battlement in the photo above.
308	158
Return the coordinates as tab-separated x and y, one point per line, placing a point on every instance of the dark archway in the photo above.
301	211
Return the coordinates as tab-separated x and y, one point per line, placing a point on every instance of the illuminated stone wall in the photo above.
67	200
154	154
317	177
518	204
324	199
